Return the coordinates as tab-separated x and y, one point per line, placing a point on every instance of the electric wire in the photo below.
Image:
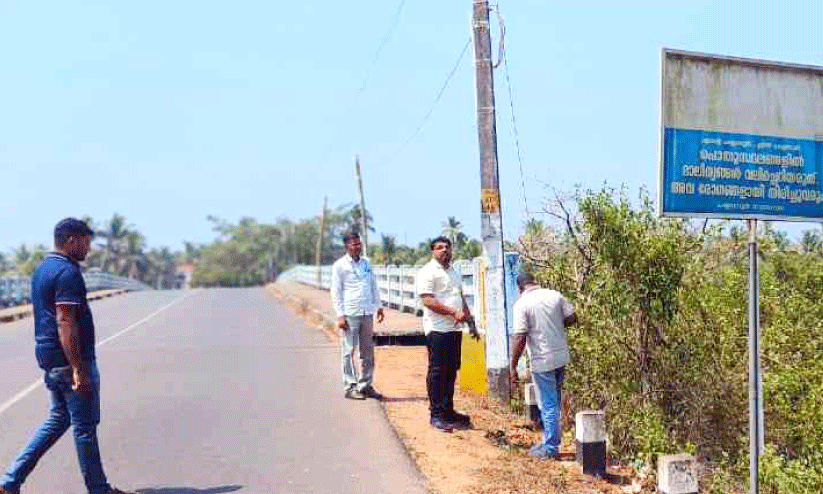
515	134
383	42
437	99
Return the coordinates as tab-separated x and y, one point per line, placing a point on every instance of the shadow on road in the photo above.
189	490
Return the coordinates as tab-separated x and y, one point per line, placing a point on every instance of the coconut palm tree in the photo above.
4	263
347	219
21	255
133	258
453	230
163	267
114	233
389	244
192	252
26	260
811	242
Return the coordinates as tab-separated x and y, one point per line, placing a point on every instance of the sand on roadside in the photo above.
490	458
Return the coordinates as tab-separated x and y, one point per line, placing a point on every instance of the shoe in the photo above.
460	426
115	490
441	425
353	394
370	392
543	452
461	418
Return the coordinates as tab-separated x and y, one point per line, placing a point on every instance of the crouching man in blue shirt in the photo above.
64	347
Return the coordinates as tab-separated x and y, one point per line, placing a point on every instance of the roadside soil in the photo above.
490	458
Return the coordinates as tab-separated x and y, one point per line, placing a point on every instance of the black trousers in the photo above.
444	361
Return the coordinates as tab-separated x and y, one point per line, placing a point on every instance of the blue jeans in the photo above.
68	408
360	334
549	385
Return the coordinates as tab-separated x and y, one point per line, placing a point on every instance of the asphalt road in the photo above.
208	391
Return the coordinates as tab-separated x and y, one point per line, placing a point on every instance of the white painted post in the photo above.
677	474
390	285
532	404
402	271
590	435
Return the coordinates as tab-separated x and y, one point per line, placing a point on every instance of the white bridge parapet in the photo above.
397	285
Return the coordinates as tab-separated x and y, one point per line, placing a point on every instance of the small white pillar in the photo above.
590	435
677	474
532	405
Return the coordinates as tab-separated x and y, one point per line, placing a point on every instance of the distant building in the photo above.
184	274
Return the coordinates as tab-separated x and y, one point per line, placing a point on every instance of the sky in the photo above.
166	112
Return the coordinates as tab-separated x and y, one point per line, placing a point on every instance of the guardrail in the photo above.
16	290
397	283
96	280
26	310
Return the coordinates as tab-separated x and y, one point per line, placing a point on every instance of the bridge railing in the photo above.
16	290
96	280
397	283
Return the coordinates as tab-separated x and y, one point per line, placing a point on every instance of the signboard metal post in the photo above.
742	139
755	381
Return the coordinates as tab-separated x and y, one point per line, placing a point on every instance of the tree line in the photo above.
244	253
119	248
250	253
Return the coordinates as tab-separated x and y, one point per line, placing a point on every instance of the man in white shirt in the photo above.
444	310
355	298
541	317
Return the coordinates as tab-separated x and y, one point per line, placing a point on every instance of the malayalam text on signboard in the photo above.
741	138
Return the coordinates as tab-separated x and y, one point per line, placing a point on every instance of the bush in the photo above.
661	343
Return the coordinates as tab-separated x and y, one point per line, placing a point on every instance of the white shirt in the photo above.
354	289
540	313
445	285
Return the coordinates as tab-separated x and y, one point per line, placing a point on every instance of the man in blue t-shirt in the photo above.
64	347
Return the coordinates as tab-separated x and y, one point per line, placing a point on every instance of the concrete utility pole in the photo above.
364	233
317	257
491	222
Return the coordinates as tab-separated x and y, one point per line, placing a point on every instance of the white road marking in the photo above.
22	394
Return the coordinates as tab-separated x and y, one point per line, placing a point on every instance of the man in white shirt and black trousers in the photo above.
444	311
356	299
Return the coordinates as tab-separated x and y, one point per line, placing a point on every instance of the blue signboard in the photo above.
719	174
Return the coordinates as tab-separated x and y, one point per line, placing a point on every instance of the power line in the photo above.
383	42
505	59
434	104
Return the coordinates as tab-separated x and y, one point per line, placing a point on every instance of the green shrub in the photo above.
661	343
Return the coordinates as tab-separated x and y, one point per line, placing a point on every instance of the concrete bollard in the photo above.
530	392
676	474
590	436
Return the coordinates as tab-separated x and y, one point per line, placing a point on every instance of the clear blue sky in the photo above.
166	112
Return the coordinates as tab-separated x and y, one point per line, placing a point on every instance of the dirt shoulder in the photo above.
491	458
